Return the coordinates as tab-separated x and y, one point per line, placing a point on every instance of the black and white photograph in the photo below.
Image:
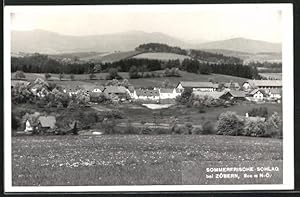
148	97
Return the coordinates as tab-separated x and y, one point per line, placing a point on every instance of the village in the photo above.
121	92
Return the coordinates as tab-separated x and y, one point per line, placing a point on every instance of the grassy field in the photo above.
141	82
127	159
192	115
161	56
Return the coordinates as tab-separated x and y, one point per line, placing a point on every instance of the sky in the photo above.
189	23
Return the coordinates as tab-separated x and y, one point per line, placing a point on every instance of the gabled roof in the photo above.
166	90
260	83
198	84
115	90
148	93
47	121
257	90
236	93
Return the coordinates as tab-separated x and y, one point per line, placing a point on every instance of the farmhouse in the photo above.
257	94
146	94
168	93
234	95
197	86
46	123
262	84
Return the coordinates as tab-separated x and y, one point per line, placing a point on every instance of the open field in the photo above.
161	56
127	159
141	82
184	114
116	56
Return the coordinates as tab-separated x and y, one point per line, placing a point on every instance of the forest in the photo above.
39	63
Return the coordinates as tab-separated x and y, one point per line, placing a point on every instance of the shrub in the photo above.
229	124
114	114
130	129
259	111
255	128
92	76
20	75
15	121
208	128
47	76
197	130
146	130
274	126
109	126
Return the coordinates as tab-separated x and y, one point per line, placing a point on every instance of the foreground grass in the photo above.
126	159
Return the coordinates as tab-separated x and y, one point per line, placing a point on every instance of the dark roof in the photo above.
147	93
197	84
255	91
166	90
115	89
47	121
236	94
215	94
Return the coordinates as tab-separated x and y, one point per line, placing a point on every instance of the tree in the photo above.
229	123
20	75
61	75
113	74
185	96
72	77
133	72
98	68
166	83
47	76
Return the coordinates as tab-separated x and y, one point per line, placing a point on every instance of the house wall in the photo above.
204	89
258	96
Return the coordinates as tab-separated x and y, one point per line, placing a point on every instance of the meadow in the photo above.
141	82
127	159
162	56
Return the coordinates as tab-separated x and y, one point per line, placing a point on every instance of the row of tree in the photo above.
196	54
136	67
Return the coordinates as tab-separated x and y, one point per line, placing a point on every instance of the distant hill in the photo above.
242	45
249	57
53	43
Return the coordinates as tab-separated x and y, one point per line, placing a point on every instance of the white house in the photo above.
197	86
257	94
168	93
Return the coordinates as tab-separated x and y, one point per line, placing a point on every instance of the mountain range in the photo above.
42	41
